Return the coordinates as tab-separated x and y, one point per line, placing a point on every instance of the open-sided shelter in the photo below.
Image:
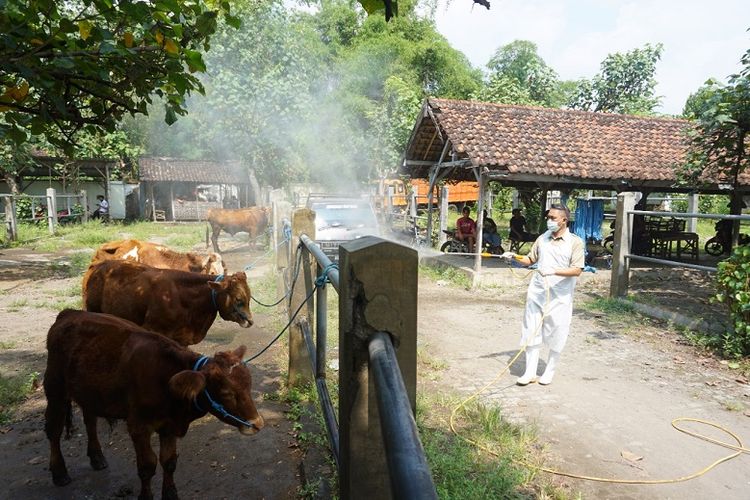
178	189
549	149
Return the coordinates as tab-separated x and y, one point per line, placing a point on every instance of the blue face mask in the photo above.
552	225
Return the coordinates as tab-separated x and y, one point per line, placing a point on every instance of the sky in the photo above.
702	38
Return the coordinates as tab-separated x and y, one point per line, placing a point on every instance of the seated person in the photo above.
102	210
489	233
518	227
466	229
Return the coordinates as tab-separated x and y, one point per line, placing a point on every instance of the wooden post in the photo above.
623	239
300	369
413	204
377	292
442	237
692	222
480	227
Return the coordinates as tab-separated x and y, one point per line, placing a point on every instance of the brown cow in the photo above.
252	220
178	304
155	255
114	369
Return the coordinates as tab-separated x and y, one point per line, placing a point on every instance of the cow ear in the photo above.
187	384
240	351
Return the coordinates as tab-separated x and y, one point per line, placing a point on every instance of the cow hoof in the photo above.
170	494
98	462
61	479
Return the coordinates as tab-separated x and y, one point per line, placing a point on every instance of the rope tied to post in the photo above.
321	280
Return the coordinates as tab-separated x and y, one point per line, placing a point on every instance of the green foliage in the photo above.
518	75
13	391
718	147
699	102
733	284
84	64
625	84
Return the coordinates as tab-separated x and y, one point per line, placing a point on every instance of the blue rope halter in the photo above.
236	309
216	406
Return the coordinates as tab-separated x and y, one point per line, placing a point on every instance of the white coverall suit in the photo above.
551	296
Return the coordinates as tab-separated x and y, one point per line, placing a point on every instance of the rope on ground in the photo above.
739	448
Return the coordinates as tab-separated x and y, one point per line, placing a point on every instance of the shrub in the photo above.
733	283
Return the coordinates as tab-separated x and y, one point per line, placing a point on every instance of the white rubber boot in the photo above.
549	372
532	361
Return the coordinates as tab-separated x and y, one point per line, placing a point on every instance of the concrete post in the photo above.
378	292
442	237
51	210
623	239
692	222
11	224
300	369
413	204
85	206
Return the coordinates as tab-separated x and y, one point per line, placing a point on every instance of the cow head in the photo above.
221	385
213	264
232	298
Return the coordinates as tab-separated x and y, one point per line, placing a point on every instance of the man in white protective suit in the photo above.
549	301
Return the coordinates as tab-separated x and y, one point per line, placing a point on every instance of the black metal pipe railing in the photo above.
323	260
407	466
326	405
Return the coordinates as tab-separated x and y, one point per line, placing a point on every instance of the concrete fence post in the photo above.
11	224
300	369
377	292
84	206
51	210
442	237
623	241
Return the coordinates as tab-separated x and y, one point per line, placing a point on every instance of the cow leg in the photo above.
215	238
94	449
146	461
54	421
168	460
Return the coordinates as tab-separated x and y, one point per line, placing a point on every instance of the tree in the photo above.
84	64
518	67
718	146
699	101
625	84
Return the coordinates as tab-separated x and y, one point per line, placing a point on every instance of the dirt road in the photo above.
620	383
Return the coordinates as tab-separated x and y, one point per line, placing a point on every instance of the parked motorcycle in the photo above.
721	242
453	245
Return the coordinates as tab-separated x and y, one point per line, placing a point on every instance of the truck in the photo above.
459	193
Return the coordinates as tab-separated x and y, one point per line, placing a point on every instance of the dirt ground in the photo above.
621	381
215	461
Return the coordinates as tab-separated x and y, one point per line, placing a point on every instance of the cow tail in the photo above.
68	419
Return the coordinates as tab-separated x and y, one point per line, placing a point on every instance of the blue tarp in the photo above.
589	219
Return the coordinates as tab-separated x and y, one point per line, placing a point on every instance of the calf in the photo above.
252	220
177	304
114	369
160	256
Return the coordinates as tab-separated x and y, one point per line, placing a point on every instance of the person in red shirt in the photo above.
466	229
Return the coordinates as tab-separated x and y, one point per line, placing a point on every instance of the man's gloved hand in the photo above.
546	271
508	255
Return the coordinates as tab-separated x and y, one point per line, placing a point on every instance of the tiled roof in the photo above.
203	171
525	142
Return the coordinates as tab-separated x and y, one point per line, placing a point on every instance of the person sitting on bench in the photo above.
518	226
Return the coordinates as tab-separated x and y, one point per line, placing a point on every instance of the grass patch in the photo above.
610	306
7	345
450	274
494	468
18	304
13	391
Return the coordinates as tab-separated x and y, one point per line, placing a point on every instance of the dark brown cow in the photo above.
177	304
114	369
253	220
155	255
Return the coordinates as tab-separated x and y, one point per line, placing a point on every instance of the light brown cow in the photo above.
156	255
252	220
116	370
177	304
